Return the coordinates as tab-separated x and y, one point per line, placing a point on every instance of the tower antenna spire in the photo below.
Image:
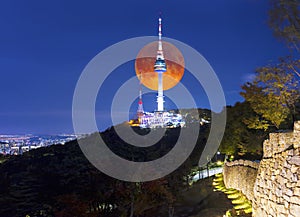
159	35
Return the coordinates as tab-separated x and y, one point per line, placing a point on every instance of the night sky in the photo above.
45	45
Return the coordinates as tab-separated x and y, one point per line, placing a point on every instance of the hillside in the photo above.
59	181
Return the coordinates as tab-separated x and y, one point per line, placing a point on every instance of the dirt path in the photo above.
202	201
215	205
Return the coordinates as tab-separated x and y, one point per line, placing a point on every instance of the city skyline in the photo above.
45	47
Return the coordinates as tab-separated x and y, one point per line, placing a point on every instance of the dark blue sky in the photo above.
44	46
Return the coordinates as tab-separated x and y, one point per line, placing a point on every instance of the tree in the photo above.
292	66
275	90
239	140
72	206
284	19
140	199
273	94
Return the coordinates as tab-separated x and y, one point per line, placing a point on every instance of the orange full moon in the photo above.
144	65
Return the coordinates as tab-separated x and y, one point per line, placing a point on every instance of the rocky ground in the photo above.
215	205
201	201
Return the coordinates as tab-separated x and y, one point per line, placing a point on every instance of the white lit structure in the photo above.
160	67
159	118
140	110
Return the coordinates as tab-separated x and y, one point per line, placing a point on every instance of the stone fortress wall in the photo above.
275	189
241	175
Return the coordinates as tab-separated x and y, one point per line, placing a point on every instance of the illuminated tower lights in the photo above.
140	110
160	67
160	118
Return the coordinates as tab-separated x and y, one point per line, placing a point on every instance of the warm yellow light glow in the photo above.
219	163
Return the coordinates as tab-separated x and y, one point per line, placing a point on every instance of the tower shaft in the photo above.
160	93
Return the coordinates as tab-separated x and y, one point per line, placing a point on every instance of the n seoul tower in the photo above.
160	67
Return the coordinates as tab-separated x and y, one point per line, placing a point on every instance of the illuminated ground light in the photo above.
219	163
241	205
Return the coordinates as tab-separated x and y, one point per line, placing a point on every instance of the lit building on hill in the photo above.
161	119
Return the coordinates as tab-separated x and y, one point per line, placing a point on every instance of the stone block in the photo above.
294	178
271	212
288	192
295	160
294	168
267	149
297	150
295	200
279	208
287	165
285	140
269	184
291	184
297	191
274	138
289	175
281	180
278	192
283	172
286	204
297	126
295	209
281	214
286	198
291	152
296	139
